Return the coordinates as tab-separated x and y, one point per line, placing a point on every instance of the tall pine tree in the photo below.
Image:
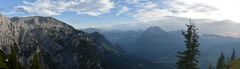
221	62
233	57
188	59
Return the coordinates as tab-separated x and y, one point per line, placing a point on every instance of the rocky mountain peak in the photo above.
40	20
154	30
48	35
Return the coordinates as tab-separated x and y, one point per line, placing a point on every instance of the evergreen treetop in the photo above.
188	59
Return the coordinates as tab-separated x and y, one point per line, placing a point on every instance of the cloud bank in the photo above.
141	10
54	7
195	9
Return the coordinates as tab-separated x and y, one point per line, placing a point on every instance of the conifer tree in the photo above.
35	62
233	57
188	59
221	62
3	63
210	66
86	60
13	58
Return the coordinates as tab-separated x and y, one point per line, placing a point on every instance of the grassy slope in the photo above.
235	64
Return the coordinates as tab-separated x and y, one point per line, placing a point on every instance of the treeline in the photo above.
223	63
11	61
188	59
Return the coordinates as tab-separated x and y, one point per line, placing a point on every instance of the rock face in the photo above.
60	45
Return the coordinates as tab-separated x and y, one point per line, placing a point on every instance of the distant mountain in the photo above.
178	23
117	58
161	46
91	30
155	31
167	23
151	44
63	47
126	39
212	45
154	42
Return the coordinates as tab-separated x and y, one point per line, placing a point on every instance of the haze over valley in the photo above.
119	34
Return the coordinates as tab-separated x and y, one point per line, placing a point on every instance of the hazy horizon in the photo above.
119	34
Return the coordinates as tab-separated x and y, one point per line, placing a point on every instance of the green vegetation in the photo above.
221	62
47	58
235	64
229	64
88	56
13	59
3	63
233	57
35	63
109	48
210	67
9	61
188	58
55	35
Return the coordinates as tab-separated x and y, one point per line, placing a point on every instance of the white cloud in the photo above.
142	10
123	9
150	15
133	1
52	7
196	9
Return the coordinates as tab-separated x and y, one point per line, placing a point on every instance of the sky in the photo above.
91	13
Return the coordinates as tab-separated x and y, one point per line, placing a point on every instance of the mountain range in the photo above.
63	47
160	46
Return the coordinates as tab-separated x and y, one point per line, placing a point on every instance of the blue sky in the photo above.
69	17
87	13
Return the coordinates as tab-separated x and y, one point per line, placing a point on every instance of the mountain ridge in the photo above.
63	47
210	45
